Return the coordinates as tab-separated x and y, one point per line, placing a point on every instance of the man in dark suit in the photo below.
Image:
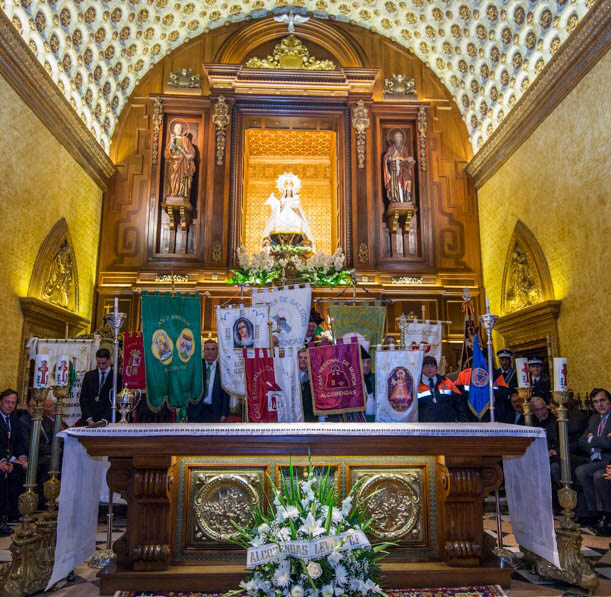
214	404
96	391
13	459
595	440
515	415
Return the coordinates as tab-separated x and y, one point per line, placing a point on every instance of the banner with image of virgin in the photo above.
289	310
336	378
263	394
239	327
397	378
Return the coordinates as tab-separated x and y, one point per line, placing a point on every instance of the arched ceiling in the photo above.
486	52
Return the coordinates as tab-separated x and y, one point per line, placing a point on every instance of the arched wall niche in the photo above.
526	277
54	275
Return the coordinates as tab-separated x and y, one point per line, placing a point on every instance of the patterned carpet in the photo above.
524	583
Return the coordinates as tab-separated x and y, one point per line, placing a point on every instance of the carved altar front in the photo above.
185	484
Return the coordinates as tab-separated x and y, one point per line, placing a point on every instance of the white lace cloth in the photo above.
527	478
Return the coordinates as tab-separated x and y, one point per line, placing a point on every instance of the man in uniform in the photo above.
505	357
439	400
540	385
501	397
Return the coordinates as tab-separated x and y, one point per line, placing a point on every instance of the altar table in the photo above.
424	486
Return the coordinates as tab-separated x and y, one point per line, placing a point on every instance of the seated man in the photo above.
13	459
516	415
596	440
214	404
439	400
546	419
602	487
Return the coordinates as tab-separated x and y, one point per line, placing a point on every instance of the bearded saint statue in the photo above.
180	154
398	170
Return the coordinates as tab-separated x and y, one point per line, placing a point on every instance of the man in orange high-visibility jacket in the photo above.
502	404
439	400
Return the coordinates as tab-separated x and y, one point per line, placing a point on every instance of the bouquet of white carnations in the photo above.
306	546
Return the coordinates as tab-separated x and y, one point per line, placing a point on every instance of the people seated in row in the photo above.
13	459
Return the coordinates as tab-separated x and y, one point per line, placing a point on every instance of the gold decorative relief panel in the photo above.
217	499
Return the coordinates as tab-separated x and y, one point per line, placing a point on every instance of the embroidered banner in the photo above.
82	359
367	320
397	377
171	332
306	550
336	378
426	333
134	375
286	370
239	327
262	392
470	330
289	310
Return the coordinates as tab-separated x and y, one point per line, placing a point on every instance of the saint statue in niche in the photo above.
287	223
398	169
58	283
180	154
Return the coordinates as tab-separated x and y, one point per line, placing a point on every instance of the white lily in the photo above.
312	526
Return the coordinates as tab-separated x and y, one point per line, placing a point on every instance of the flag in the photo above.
466	355
479	397
171	332
133	375
263	394
424	334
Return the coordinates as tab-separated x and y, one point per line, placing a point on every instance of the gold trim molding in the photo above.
580	52
36	88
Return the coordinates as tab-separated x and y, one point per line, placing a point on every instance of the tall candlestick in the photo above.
560	375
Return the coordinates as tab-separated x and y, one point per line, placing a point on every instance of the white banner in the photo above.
82	359
289	309
397	378
426	333
306	550
239	327
286	372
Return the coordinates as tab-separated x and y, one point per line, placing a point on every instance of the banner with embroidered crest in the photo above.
397	378
134	374
263	394
423	333
289	311
479	394
365	319
336	378
239	327
171	332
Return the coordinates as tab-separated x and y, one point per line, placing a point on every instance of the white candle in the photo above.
62	370
487	305
560	378
116	305
523	373
41	371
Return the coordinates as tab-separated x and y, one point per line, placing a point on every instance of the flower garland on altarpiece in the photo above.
269	267
306	546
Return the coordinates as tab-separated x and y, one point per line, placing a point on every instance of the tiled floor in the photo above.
524	583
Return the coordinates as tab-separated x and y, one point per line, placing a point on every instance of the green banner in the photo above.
171	330
367	320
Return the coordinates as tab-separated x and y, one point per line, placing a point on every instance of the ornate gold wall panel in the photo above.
557	184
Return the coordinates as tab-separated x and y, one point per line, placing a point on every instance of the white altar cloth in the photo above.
527	478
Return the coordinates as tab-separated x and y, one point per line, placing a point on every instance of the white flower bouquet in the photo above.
307	546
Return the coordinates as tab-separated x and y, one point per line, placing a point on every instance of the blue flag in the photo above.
479	398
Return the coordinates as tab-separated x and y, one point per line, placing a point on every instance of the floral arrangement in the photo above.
264	268
306	546
283	249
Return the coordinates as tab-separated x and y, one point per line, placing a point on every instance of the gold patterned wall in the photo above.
557	183
39	184
308	154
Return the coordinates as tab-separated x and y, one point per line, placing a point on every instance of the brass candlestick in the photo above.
575	569
525	394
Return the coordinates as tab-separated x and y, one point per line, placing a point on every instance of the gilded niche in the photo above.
526	278
58	283
290	53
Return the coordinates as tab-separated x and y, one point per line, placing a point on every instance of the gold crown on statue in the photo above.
288	180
